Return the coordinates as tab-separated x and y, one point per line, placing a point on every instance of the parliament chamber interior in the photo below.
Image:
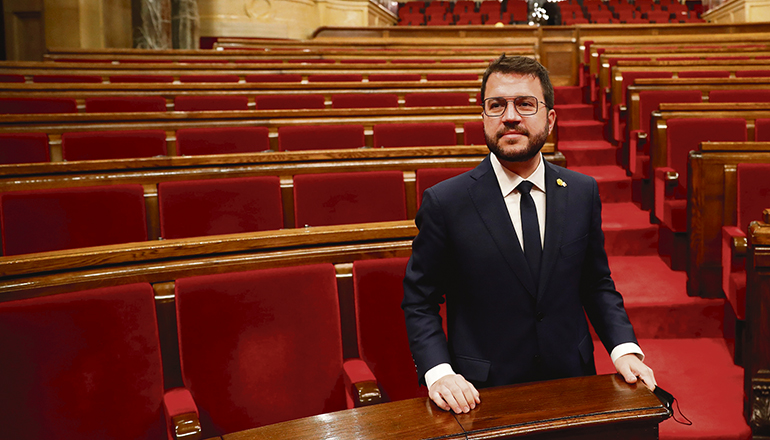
207	209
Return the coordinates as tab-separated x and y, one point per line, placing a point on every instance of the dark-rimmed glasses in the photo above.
525	105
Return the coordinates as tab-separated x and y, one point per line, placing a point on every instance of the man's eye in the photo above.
526	104
494	105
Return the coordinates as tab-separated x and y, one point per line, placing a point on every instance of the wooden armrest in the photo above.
739	246
187	426
766	215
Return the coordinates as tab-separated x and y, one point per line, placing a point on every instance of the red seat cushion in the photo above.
274	77
436	99
67	79
129	104
704	74
286	102
23	148
261	347
320	137
222	140
12	78
119	79
650	100
37	105
751	73
762	130
82	365
208	78
473	133
68	218
198	208
364	100
414	134
346	198
451	77
95	145
335	78
394	77
739	95
208	103
427	177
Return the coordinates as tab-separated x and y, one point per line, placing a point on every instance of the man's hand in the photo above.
630	367
454	392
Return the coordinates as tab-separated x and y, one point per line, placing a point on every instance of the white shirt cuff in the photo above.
437	373
623	349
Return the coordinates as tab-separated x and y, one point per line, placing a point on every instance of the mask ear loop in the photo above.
687	421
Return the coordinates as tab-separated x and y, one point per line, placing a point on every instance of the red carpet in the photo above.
681	336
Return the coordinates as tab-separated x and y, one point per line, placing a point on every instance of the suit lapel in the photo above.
489	203
555	210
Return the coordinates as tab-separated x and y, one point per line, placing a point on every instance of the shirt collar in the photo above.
508	180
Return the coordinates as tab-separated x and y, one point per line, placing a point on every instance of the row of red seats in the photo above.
259	78
667	11
464	19
67	218
231	102
126	144
92	368
459	7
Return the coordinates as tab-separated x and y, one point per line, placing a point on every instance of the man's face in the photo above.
512	137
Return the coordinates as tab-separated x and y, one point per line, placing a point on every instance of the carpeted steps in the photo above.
680	335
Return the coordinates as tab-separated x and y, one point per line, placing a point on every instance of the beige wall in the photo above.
740	11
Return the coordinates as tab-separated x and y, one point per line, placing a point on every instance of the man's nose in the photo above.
510	113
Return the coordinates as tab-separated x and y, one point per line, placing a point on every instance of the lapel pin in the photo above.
561	183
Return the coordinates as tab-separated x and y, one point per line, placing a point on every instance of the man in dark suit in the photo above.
520	265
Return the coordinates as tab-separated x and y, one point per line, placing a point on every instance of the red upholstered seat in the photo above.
364	100
23	148
261	347
682	136
220	206
274	77
473	133
221	140
345	198
363	61
414	134
118	79
188	103
284	102
208	78
38	105
12	78
320	137
82	365
451	77
66	218
311	61
394	77
66	79
751	73
704	74
739	95
123	144
412	61
129	104
762	130
427	177
335	78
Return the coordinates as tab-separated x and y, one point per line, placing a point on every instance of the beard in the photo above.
534	143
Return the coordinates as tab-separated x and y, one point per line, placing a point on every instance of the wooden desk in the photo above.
592	407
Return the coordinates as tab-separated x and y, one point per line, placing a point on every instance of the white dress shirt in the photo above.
508	181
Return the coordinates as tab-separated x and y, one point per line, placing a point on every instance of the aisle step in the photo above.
588	153
574	112
580	130
568	95
614	185
627	230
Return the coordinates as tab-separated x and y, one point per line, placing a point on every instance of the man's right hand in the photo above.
454	392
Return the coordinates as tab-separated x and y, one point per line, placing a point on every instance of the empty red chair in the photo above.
436	99
739	95
274	77
23	148
37	105
340	77
618	120
208	78
288	102
473	133
518	9
365	100
188	103
762	130
128	104
394	77
658	16
346	198
120	79
221	140
418	134
66	79
67	218
451	77
12	79
427	177
751	73
263	346
320	137
123	144
198	208
83	365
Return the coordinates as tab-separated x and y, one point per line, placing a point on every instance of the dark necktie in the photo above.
530	230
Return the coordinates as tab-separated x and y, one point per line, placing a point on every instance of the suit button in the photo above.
539	316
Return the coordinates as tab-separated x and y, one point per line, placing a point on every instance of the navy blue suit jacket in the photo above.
500	329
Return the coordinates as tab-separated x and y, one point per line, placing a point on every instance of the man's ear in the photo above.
551	120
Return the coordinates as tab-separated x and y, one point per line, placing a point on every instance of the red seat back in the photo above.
345	198
473	133
394	77
82	365
285	102
119	79
67	218
12	79
364	100
704	74
202	103
208	78
753	192
262	346
451	77
739	95
37	105
67	79
751	73
650	100
629	77
335	78
320	137
95	145
23	148
419	134
762	130
427	177
274	77
128	104
221	140
198	208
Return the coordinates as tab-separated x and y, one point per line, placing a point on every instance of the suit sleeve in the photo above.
425	286
602	302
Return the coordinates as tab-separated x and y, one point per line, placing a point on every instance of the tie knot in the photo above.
525	186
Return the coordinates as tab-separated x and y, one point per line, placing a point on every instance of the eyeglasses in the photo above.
524	105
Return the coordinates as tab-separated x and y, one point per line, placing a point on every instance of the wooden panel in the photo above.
757	356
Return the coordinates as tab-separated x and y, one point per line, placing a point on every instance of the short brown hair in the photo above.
521	66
